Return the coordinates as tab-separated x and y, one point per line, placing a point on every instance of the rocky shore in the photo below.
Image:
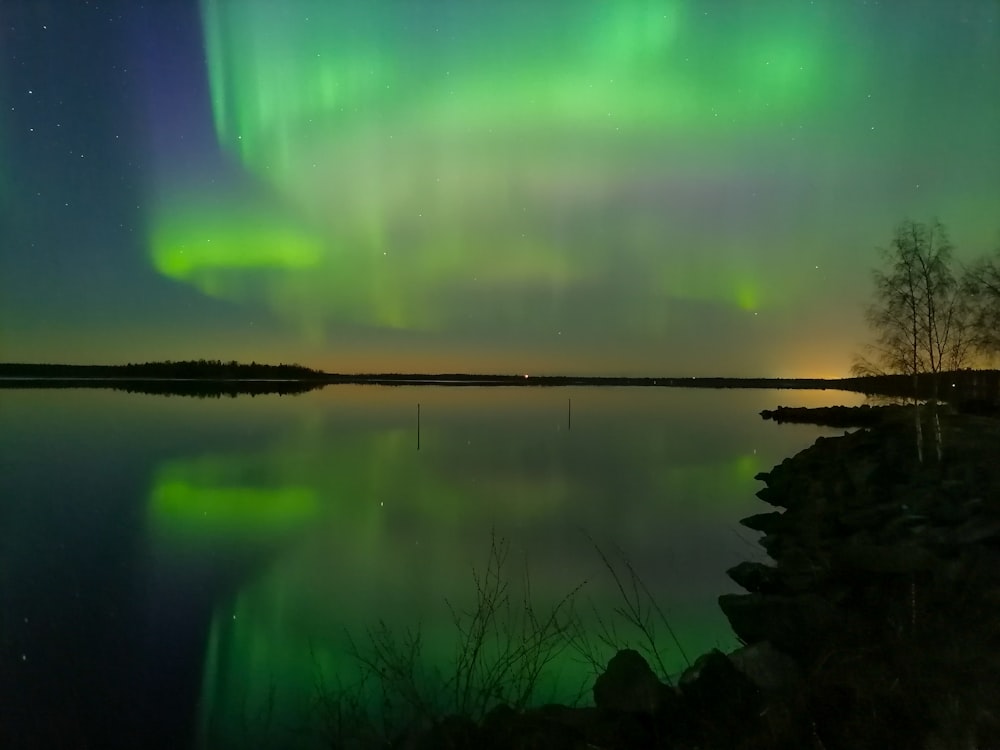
885	587
877	624
837	416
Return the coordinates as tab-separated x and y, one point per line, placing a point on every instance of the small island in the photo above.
199	378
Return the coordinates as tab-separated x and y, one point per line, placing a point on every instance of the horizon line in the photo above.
401	374
309	373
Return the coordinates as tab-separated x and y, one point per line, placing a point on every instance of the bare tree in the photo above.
982	288
921	313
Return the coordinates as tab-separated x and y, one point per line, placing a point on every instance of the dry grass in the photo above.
503	647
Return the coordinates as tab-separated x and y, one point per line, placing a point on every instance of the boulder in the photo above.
628	684
795	624
714	687
450	733
866	556
772	497
765	666
551	727
769	523
756	577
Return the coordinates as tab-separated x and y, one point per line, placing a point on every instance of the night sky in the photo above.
641	187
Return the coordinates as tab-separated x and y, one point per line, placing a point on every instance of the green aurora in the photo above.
595	187
474	170
427	169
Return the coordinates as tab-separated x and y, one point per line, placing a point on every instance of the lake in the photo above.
180	572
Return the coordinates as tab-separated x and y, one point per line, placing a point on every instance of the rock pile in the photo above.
876	626
837	416
885	592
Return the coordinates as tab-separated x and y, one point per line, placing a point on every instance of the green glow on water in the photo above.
209	510
341	523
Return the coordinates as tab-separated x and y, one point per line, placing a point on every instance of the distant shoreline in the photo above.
448	380
213	377
233	374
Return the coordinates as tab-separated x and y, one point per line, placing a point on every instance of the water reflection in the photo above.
366	528
170	564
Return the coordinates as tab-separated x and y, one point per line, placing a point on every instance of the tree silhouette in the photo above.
982	287
922	314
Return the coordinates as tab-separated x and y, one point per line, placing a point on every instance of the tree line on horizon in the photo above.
167	369
930	315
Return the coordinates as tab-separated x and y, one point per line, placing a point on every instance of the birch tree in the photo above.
982	286
921	314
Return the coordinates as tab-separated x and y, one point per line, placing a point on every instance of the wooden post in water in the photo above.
569	414
418	426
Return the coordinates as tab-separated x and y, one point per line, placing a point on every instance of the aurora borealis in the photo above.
577	186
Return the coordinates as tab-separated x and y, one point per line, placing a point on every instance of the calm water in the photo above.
168	566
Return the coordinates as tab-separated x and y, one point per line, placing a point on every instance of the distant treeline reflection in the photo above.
216	389
214	378
191	388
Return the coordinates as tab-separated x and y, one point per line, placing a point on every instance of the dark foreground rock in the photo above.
885	587
837	416
876	626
